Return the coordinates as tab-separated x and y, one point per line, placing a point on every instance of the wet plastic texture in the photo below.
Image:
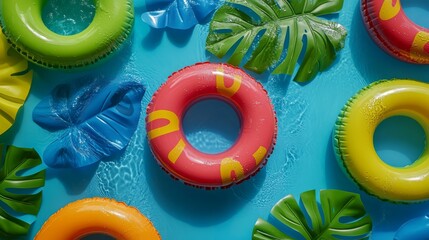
275	34
394	32
303	158
23	25
226	83
341	215
177	14
98	121
98	215
353	139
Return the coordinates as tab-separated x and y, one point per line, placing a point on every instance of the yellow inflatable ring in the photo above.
23	26
353	139
97	215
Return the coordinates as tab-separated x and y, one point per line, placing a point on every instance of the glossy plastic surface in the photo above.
209	80
96	120
177	14
393	31
354	133
339	215
23	25
97	215
303	158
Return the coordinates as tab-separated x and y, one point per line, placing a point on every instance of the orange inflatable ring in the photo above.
394	32
97	215
209	80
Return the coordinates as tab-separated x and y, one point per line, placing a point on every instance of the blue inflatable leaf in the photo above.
97	120
178	14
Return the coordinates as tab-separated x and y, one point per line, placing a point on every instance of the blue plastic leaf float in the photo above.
178	14
97	121
417	228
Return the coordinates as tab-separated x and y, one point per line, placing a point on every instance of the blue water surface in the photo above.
303	158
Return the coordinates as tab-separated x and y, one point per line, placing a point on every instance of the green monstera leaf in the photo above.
14	183
343	216
262	28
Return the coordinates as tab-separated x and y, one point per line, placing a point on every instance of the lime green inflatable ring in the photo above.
23	26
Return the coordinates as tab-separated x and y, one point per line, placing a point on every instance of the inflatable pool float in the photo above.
394	32
97	215
226	83
95	118
353	139
177	14
15	84
23	26
305	115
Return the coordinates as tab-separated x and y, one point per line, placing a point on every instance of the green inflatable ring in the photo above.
22	23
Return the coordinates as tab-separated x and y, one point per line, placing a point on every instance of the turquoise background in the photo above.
302	160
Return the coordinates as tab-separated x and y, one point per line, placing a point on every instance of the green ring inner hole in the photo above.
399	141
68	17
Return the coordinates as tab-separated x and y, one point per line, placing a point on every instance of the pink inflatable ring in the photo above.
208	80
394	32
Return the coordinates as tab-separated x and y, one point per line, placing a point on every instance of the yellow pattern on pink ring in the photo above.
389	10
417	51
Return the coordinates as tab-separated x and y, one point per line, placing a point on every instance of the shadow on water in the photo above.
178	38
153	39
196	206
75	180
375	64
9	136
335	177
388	217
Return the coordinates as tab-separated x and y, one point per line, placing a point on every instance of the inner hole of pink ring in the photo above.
417	11
211	125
